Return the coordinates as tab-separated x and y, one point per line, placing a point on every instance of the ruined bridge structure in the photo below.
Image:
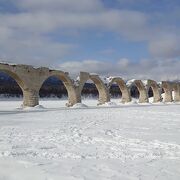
30	80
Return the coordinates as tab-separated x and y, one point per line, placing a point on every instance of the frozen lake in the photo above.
128	142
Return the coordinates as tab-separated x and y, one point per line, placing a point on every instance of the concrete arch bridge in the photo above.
30	80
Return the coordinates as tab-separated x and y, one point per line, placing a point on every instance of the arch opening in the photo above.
162	91
115	93
10	90
166	92
151	94
134	93
176	92
53	92
99	86
163	94
89	93
153	91
9	87
14	76
141	91
121	89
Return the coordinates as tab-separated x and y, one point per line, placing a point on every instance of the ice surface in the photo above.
109	104
122	142
79	105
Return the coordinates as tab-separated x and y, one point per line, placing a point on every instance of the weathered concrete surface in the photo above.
102	89
122	86
143	97
176	89
30	80
155	88
167	87
68	83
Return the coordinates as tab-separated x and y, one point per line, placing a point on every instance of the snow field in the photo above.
128	142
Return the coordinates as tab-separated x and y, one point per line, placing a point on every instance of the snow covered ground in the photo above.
117	142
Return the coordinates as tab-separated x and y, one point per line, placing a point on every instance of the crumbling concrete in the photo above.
122	86
30	80
167	87
143	97
155	88
102	89
176	89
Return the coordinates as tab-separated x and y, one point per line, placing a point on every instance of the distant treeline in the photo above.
53	87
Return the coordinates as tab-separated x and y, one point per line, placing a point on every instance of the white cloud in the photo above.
24	39
145	69
108	51
124	63
33	23
110	20
93	66
166	46
35	51
5	33
60	5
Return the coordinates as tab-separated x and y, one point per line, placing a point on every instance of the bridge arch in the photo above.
143	97
155	88
167	87
68	83
18	73
123	88
15	77
102	89
7	70
176	90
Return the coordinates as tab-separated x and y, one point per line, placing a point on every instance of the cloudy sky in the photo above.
129	38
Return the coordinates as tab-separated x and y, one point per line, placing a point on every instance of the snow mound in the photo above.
109	104
79	105
38	107
132	102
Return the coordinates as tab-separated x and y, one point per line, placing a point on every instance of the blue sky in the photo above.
129	38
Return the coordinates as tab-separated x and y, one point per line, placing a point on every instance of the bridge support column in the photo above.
155	89
104	96
125	95
30	98
143	97
123	88
74	97
167	91
176	89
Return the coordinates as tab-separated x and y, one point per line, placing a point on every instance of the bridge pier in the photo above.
30	80
102	89
73	97
30	98
123	88
155	89
167	91
176	89
143	97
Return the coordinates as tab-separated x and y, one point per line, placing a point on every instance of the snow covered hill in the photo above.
118	142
